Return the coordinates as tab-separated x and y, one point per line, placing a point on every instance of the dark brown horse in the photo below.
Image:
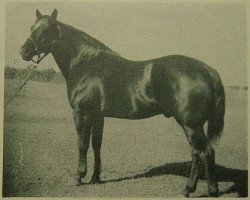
100	83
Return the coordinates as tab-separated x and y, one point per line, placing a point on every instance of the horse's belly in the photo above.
130	105
131	113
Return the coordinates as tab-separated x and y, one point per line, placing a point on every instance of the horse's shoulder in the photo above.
85	91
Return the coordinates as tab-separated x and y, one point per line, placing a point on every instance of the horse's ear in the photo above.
38	14
54	14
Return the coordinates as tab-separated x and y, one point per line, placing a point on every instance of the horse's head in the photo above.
44	34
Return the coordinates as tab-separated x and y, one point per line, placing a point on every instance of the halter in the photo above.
38	53
39	59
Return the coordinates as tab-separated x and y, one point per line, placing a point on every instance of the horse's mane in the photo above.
92	46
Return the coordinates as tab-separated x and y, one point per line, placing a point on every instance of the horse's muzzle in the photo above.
27	51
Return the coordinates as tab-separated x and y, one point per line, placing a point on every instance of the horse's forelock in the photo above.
40	22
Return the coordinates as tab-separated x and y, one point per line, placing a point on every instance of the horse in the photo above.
101	83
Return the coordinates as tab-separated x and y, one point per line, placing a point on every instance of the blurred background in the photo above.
213	33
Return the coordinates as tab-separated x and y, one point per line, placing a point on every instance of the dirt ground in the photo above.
141	158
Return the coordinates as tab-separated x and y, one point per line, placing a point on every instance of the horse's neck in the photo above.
76	47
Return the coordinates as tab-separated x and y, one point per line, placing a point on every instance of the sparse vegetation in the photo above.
44	75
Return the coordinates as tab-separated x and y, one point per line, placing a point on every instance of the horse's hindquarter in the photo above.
191	89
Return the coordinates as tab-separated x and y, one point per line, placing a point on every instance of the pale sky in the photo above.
213	33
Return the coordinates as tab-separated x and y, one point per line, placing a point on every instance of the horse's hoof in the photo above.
95	180
187	191
78	181
77	184
213	194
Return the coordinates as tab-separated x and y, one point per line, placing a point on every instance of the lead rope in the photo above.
21	86
39	59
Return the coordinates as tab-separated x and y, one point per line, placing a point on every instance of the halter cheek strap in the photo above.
38	52
39	59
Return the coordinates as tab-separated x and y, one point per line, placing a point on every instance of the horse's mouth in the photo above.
27	58
27	54
30	55
33	56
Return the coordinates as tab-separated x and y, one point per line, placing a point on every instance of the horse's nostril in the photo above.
27	51
24	51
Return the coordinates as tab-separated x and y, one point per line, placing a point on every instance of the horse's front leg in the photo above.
84	125
97	132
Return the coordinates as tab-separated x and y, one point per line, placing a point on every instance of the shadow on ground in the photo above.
238	177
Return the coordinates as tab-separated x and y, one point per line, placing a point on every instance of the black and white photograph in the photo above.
125	99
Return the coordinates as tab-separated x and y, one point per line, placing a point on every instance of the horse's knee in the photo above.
83	122
83	146
83	126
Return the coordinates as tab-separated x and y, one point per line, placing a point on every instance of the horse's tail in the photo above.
216	119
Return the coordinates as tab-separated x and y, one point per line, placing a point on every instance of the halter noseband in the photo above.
38	53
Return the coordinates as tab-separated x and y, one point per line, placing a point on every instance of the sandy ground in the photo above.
141	158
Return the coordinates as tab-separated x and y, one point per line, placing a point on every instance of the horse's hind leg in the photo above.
193	177
201	150
97	132
83	125
208	159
